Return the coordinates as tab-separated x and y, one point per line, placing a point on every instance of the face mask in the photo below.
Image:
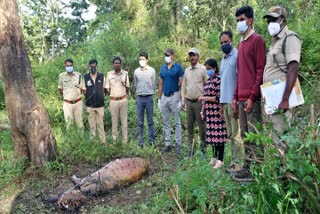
226	48
274	28
210	73
142	63
69	69
242	27
167	59
93	70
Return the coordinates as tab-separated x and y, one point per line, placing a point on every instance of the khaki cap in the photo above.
276	11
194	50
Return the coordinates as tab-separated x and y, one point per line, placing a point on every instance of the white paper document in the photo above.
272	93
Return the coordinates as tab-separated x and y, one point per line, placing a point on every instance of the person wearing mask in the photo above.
95	92
283	60
145	83
70	85
194	78
247	99
211	112
117	85
171	74
228	73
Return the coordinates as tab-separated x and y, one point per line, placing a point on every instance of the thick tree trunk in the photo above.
29	122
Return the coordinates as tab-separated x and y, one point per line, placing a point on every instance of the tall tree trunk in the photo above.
29	122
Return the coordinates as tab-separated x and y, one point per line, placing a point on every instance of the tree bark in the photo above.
29	122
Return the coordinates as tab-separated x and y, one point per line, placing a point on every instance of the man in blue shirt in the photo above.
228	72
171	74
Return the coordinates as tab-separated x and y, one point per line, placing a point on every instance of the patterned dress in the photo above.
216	132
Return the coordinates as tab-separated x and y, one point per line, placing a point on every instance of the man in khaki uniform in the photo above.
70	85
283	61
95	92
195	76
117	85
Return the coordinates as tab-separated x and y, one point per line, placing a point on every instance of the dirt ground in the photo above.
32	197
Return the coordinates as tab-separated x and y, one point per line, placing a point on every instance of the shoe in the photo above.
233	168
213	161
204	153
166	149
244	173
218	164
140	145
178	149
151	143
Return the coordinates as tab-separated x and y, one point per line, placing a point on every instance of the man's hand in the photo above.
159	104
284	105
234	104
183	106
236	114
201	98
248	105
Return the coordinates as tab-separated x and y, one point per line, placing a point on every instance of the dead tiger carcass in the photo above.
117	173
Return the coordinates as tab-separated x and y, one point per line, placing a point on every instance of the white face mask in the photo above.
274	28
167	59
69	69
142	63
242	27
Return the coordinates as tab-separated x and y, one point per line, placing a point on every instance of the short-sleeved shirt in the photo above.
145	80
228	74
275	54
170	77
194	79
71	85
117	83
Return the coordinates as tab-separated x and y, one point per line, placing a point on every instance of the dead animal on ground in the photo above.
117	173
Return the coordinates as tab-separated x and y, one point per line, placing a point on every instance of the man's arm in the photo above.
107	86
160	88
292	75
60	89
127	84
260	58
183	89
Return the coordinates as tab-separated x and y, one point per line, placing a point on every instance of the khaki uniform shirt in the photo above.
71	85
292	53
193	82
117	83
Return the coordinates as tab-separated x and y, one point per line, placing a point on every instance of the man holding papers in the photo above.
283	61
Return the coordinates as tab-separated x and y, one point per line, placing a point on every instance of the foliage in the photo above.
123	28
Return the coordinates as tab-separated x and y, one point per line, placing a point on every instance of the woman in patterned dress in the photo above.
216	132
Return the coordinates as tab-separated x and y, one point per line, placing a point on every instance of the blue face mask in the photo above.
226	48
69	69
210	73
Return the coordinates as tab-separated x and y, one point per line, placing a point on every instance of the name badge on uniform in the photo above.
89	83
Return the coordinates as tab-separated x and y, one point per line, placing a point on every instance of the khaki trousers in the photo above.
280	123
95	119
119	108
193	115
233	130
73	113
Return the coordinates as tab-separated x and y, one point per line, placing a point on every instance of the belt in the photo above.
169	95
145	95
118	98
192	100
72	101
